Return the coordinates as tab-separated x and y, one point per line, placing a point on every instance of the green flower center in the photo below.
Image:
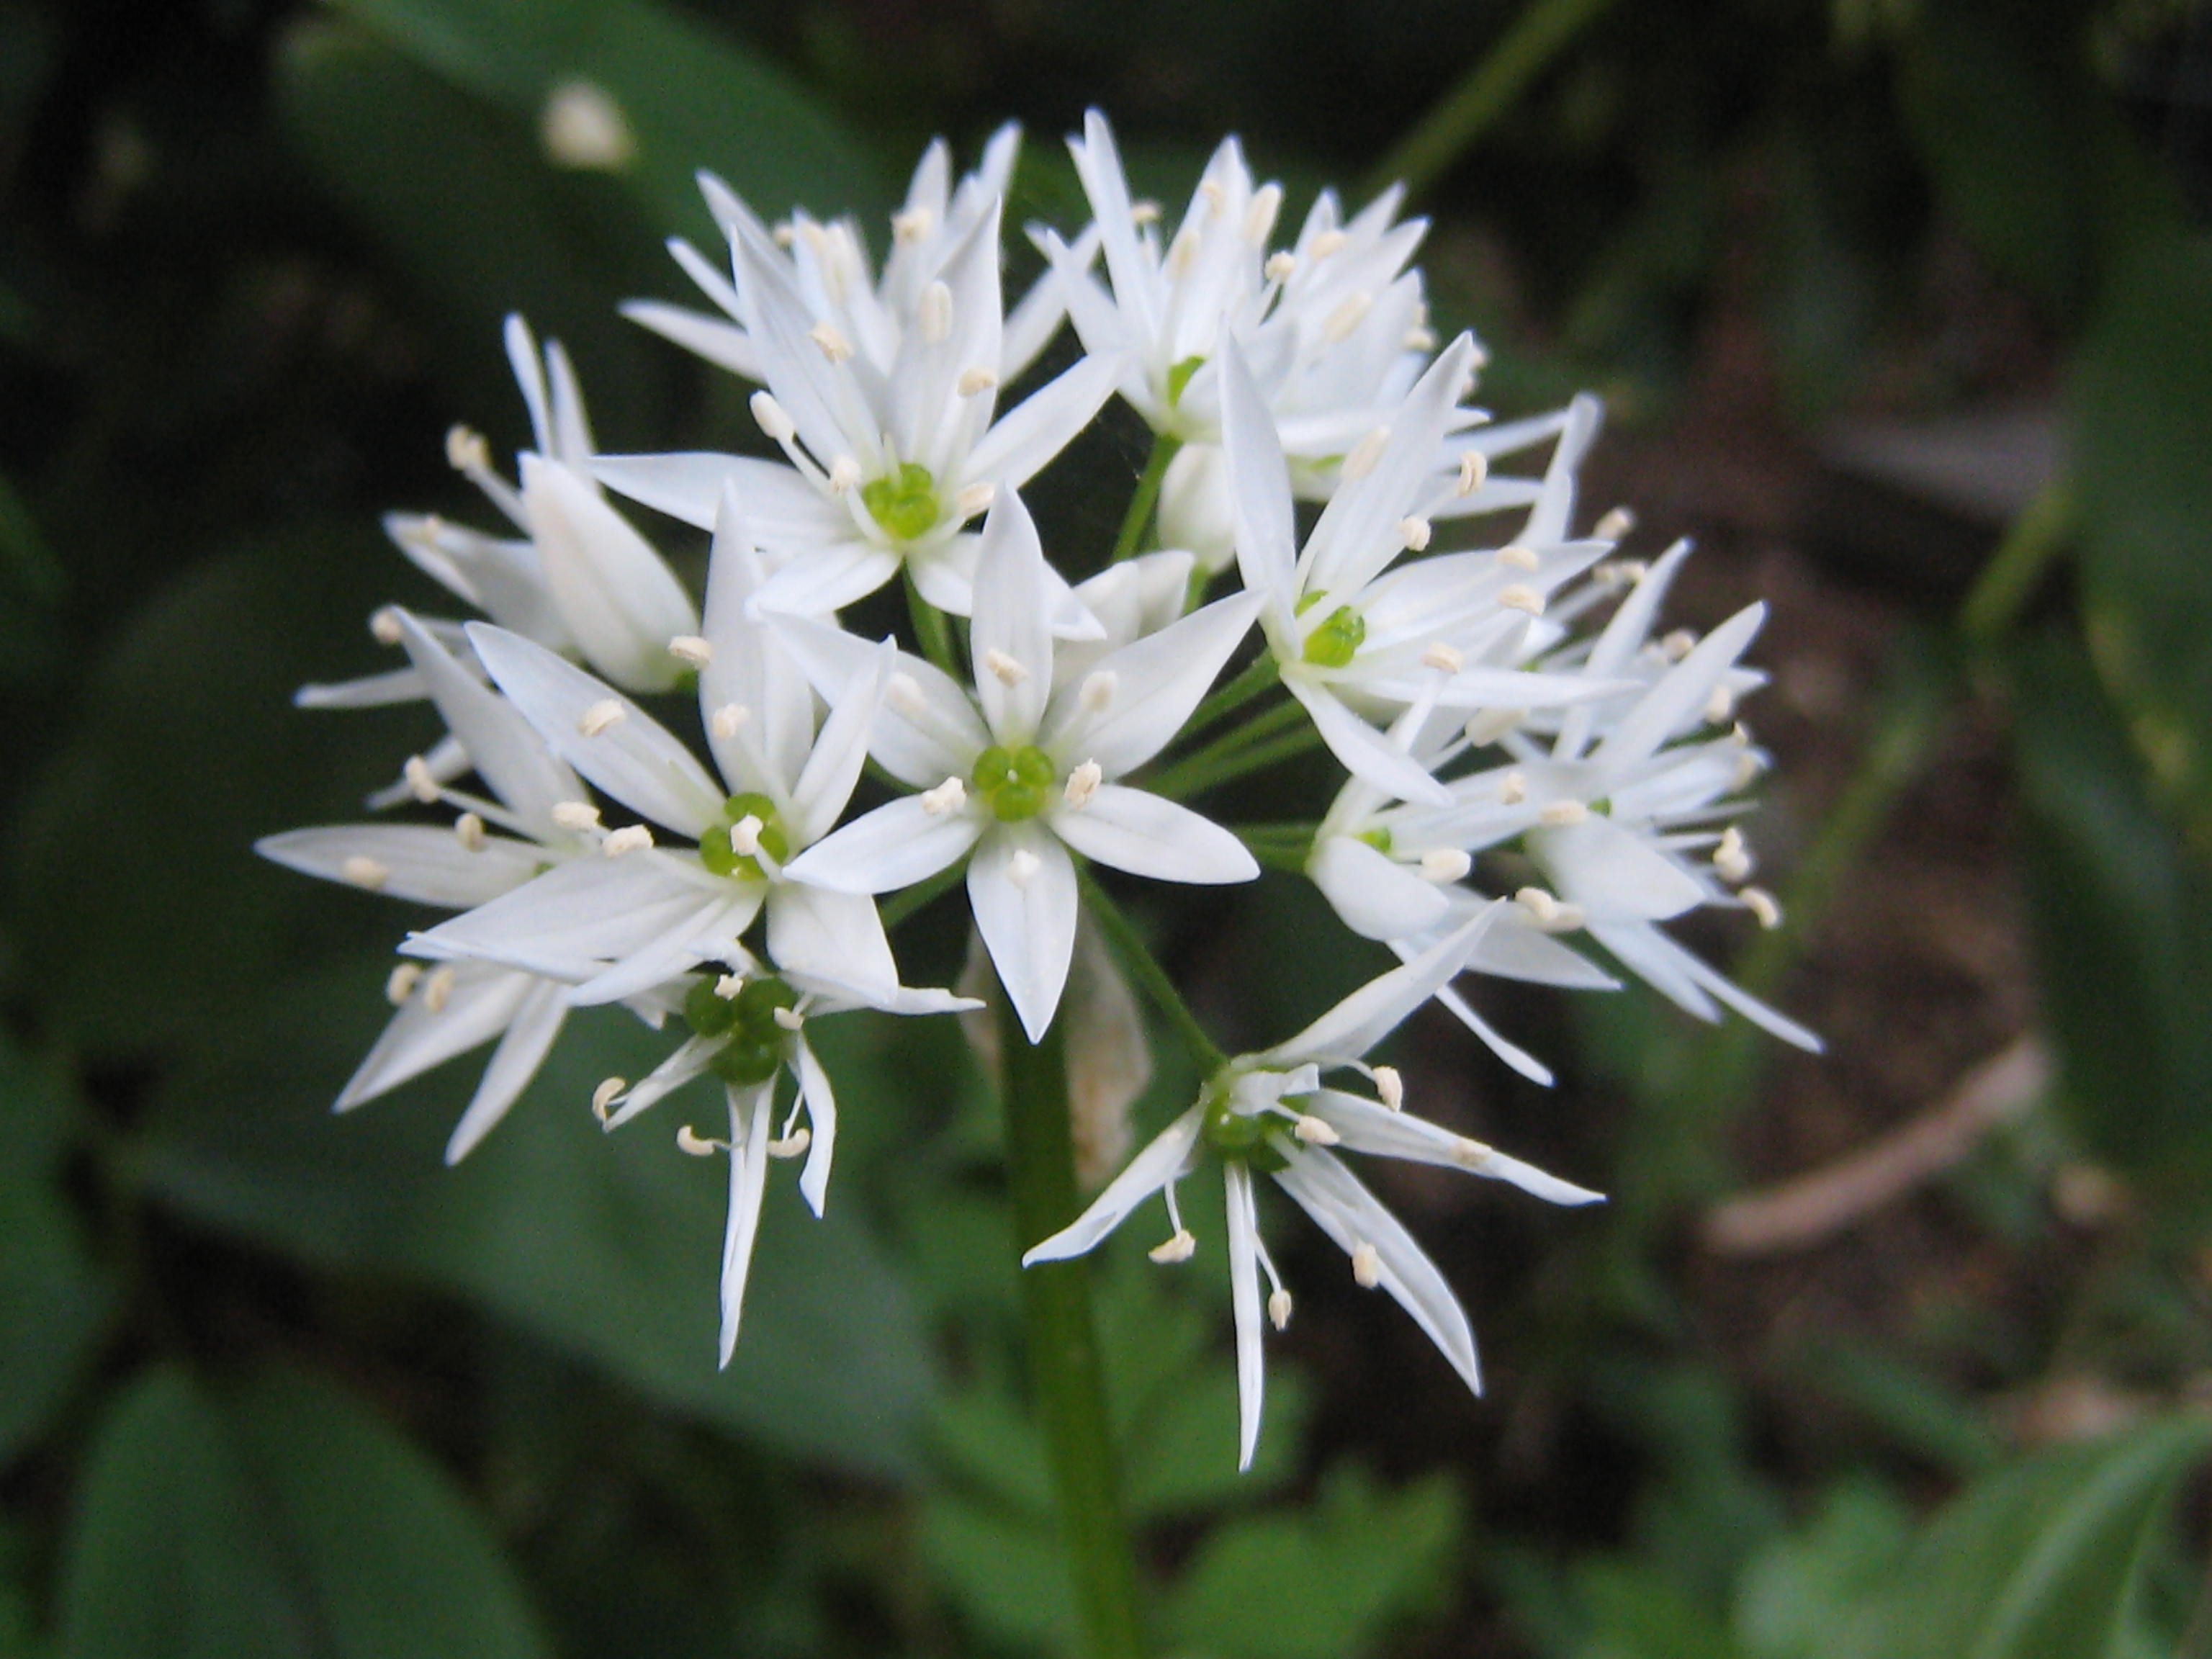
903	503
1336	641
1017	782
758	1044
1237	1137
1378	838
724	859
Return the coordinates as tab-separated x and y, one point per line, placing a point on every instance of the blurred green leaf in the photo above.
608	1245
2141	403
1326	1581
2122	921
1635	1610
1795	1592
690	96
1007	1575
2039	1560
280	1520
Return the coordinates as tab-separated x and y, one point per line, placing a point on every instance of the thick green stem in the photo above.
1127	944
1064	1369
1140	515
932	630
1198	770
1542	31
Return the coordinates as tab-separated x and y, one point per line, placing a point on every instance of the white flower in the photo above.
1270	1114
1016	773
578	579
892	433
1350	634
452	1008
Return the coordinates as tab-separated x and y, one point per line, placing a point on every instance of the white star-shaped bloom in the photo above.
1270	1114
1014	774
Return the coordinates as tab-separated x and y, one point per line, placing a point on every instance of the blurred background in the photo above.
1902	308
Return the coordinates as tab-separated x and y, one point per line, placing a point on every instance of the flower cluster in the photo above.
1525	795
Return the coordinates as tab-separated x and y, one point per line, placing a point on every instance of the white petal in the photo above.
577	914
749	1134
530	1037
1159	679
922	741
1696	968
897	845
1029	928
1655	959
636	759
781	506
1364	1127
827	576
620	602
1162	1161
1555	507
1244	1301
822	1118
1377	1008
690	941
1137	831
1377	896
722	343
1259	485
417	862
689	1060
370	691
481	1002
819	798
1028	436
1623	637
1012	629
747	666
1677	700
1512	1054
1612	872
830	935
501	743
1365	752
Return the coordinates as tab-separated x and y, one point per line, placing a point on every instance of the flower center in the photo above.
720	854
758	1042
1336	641
1240	1137
903	503
1017	782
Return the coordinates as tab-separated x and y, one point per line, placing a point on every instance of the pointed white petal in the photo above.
1011	627
1377	1008
1377	896
826	577
500	744
1779	1024
1259	485
409	860
781	506
1655	959
722	343
1512	1054
1028	926
1162	1161
370	691
1159	680
1364	1127
1135	830
821	1117
481	1002
691	941
830	936
894	846
1245	1301
1037	428
530	1037
920	737
577	914
819	798
1365	752
750	1112
620	602
1612	872
1677	700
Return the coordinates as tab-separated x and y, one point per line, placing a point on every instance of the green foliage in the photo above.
274	1519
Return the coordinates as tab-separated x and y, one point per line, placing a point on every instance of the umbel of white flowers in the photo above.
1432	622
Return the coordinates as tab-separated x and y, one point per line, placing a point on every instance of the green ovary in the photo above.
1238	1137
1337	640
905	503
1017	782
724	859
757	1044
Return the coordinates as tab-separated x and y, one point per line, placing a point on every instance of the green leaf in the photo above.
1324	1582
2037	1561
2122	921
281	1520
1008	1576
1797	1592
690	96
609	1244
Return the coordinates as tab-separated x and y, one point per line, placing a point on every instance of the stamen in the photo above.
1471	1154
1351	311
833	343
949	796
420	783
1315	1131
1473	468
1445	657
630	838
1022	868
466	450
1517	557
1560	813
903	692
1490	724
912	226
1679	644
745	836
1760	903
793	1144
1180	1248
1364	453
844	475
1278	1308
690	1141
790	1018
1732	859
728	986
1747	769
1326	244
974	498
1513	789
400	984
1083	783
935	314
691	648
1445	865
725	721
768	415
1414	532
1366	1266
365	872
1391	1086
599	716
438	990
1143	212
975	379
1519	596
784	234
1720	706
469	831
604	1096
1620	573
1419	339
578	815
384	626
1212	192
1099	686
1614	525
1004	669
1280	267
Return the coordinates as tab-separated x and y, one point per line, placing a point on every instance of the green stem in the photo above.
1540	34
1140	515
897	908
932	630
1256	677
1254	759
2031	542
1192	772
1065	1369
1128	945
1278	846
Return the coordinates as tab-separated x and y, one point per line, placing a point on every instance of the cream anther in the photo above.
793	1144
727	985
578	815
438	990
469	831
1443	656
1349	313
903	692
1614	525
1366	1266
1391	1086
1519	596
630	838
1022	868
1445	865
1561	813
692	648
1083	783
1326	244
384	626
1732	859
1279	1309
1473	469
1517	557
1471	1154
1720	706
912	226
790	1018
1143	212
727	720
974	498
1513	789
466	450
400	984
975	379
1419	339
605	1095
933	314
1747	769
1315	1131
1099	686
783	235
582	127
949	796
1364	453
363	870
599	716
1212	193
768	415
1760	903
1182	253
420	783
690	1140
1178	1248
1415	534
745	836
1490	724
1546	912
1679	644
1003	668
1280	267
844	475
832	342
1620	573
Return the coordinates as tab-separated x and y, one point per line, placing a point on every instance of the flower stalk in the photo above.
1134	522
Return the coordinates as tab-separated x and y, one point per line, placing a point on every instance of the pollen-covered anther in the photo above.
1541	907
912	226
1414	532
1022	868
1364	453
469	831
603	1097
466	450
384	626
728	985
1620	573
400	984
1326	244
1473	469
1347	315
844	476
1083	783
1366	1266
1443	657
438	990
1560	813
1259	217
1761	904
975	379
578	814
1614	525
903	692
949	796
1720	706
1678	644
1732	859
933	314
1099	686
692	1143
974	498
774	422
1279	266
1391	1087
1005	669
630	838
1748	766
745	836
793	1144
599	716
691	648
1214	196
1177	1248
1279	1309
783	234
727	720
1519	596
790	1018
1316	1132
1471	1154
831	341
1182	253
1517	557
420	783
1445	865
1143	212
1513	789
363	870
